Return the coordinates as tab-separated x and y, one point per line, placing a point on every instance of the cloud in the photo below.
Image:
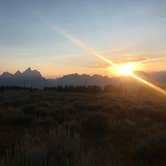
154	59
125	59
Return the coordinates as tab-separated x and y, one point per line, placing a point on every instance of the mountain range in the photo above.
28	78
34	79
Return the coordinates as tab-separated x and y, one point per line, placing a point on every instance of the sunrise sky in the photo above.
121	30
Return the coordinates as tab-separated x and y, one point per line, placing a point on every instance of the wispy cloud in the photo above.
154	59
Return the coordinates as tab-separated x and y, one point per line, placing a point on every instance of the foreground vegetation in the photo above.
89	128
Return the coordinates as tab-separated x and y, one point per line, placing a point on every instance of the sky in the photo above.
121	30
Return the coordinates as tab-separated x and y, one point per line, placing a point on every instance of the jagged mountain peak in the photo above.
31	73
6	75
18	73
28	78
28	70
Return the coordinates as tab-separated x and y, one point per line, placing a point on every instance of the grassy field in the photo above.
50	128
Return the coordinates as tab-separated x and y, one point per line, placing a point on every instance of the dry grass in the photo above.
48	128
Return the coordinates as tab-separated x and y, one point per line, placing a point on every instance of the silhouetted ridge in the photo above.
33	79
82	80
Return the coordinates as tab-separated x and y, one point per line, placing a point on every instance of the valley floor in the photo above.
46	128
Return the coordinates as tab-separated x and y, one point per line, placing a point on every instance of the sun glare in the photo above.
125	69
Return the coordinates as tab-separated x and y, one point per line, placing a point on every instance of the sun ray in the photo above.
151	85
82	45
117	67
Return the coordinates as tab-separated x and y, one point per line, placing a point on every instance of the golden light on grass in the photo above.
126	69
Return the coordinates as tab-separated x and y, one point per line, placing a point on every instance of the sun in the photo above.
125	69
